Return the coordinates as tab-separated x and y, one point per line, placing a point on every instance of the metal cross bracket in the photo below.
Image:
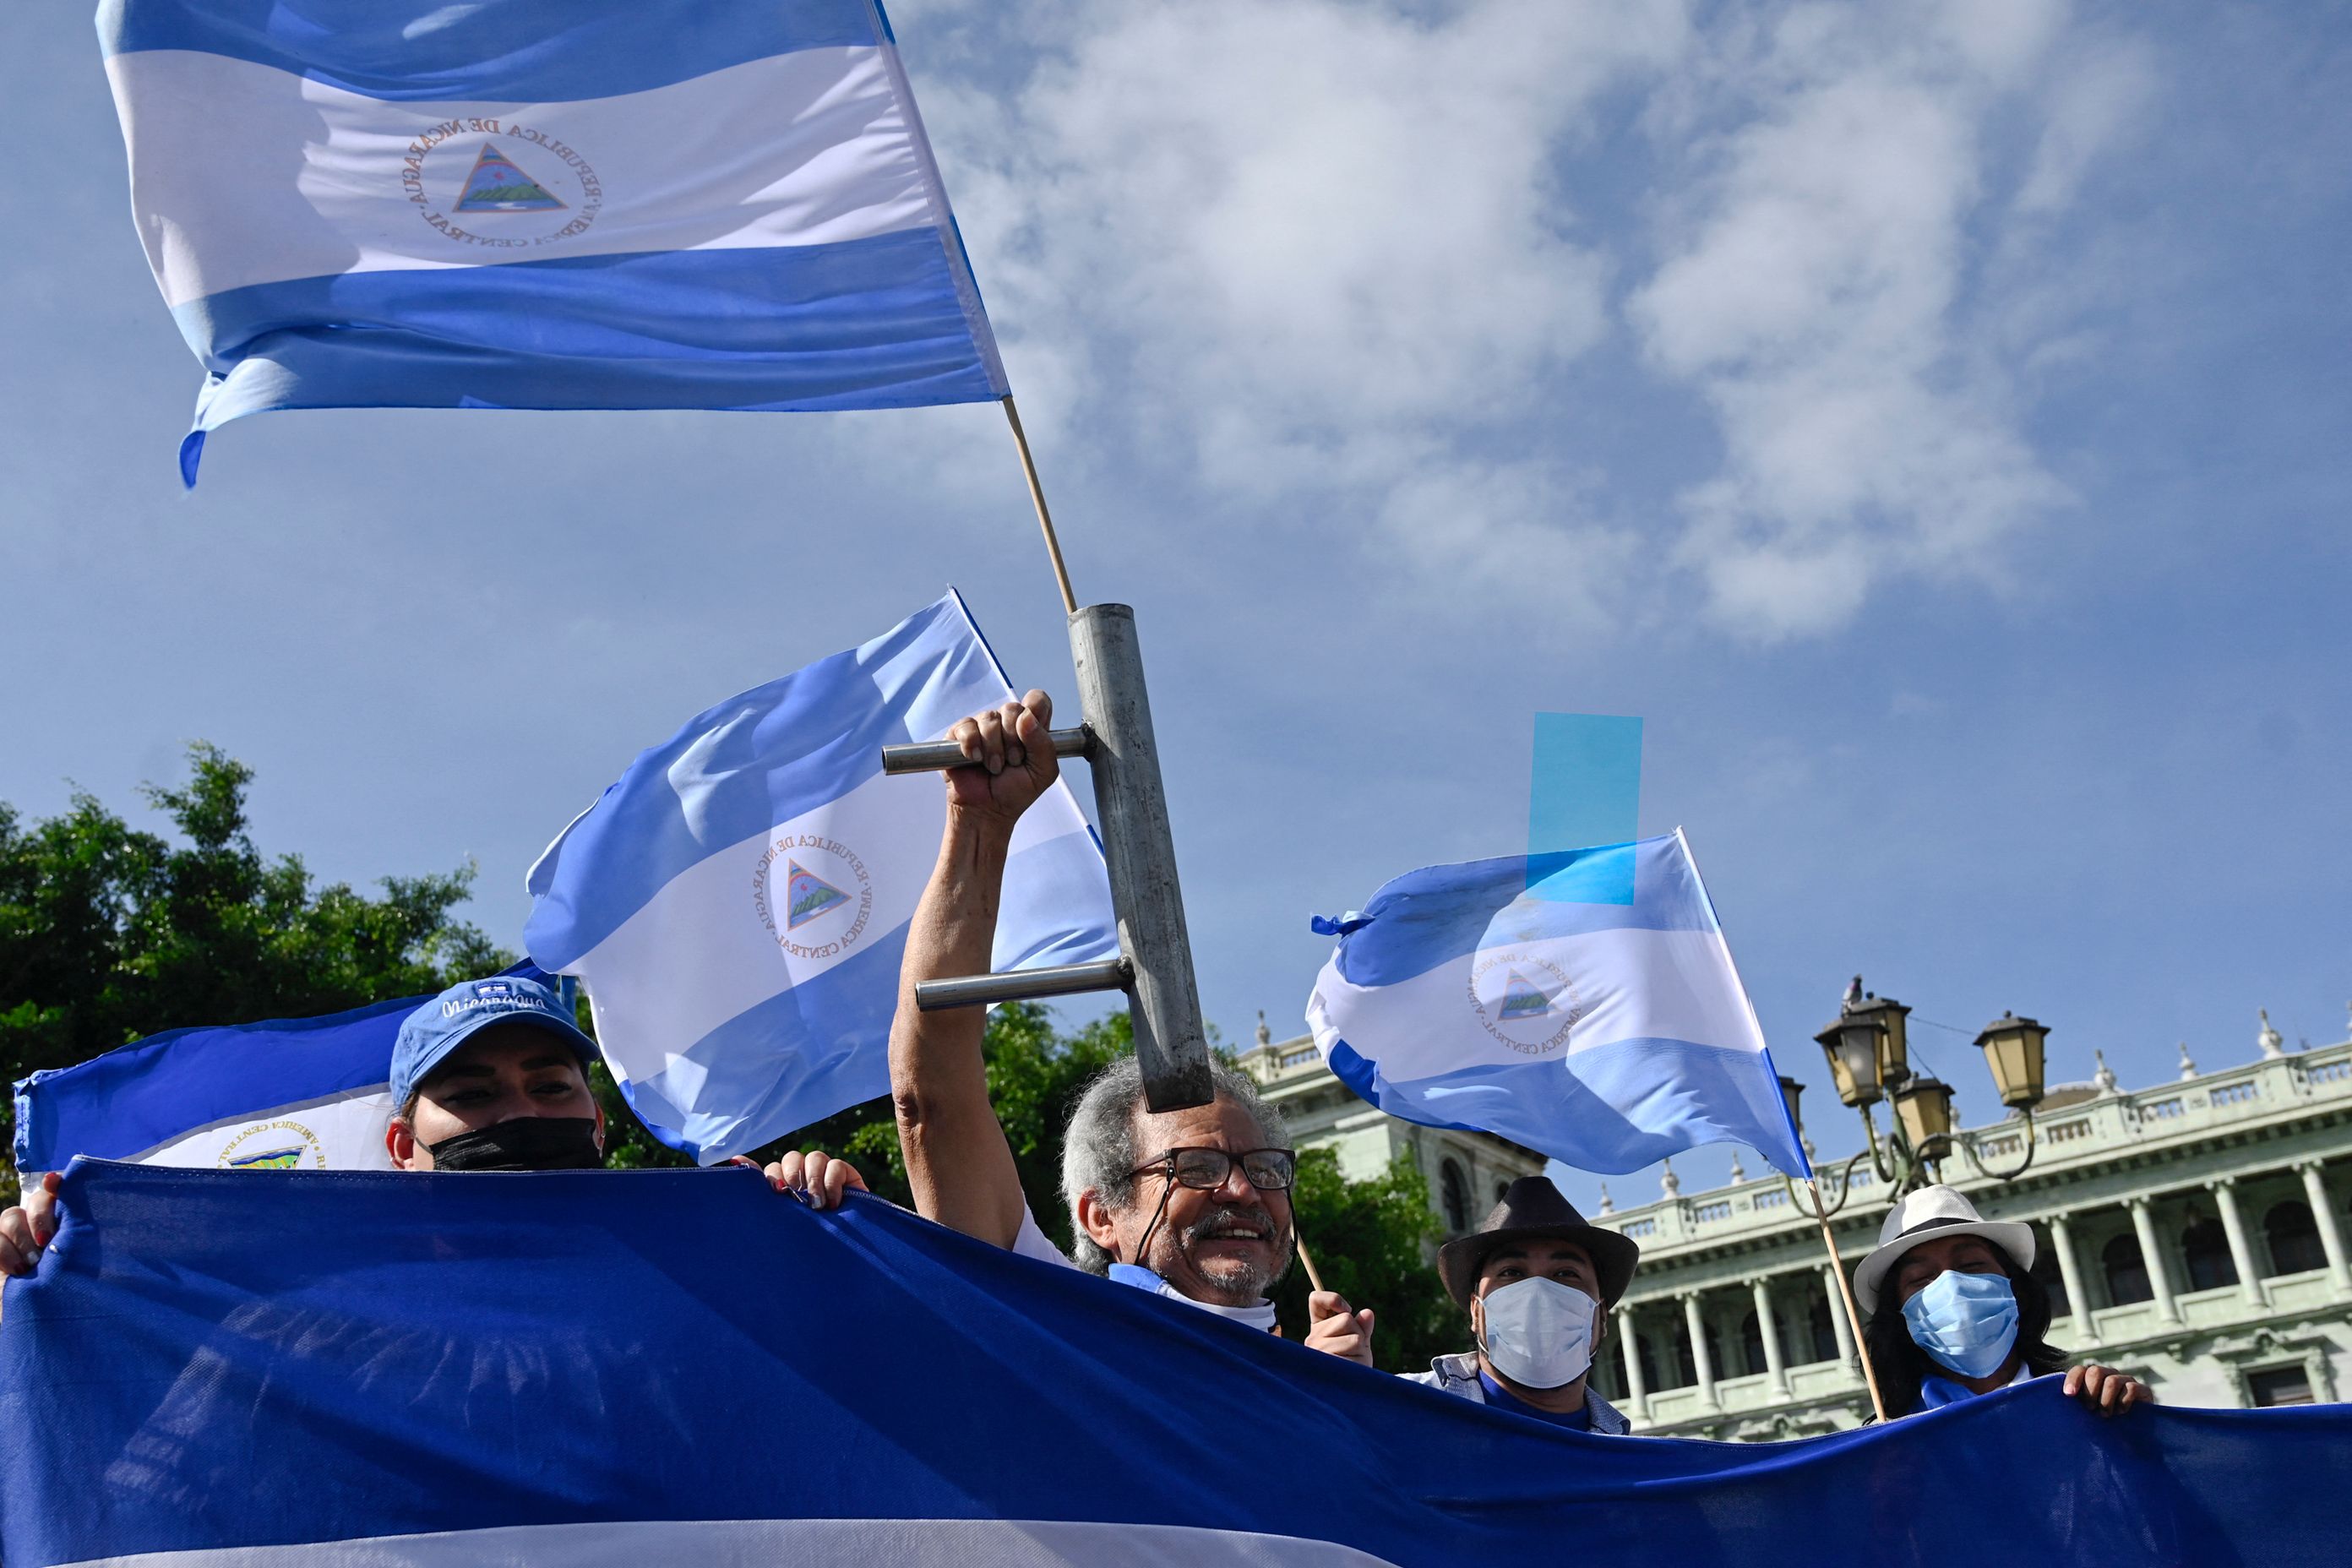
1155	962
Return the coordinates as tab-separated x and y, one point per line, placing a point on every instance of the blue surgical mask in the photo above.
1966	1323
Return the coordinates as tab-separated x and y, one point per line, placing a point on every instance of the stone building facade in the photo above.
2192	1233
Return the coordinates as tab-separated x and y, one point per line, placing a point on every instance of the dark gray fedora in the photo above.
1533	1208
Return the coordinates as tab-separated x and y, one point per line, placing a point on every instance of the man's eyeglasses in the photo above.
1267	1170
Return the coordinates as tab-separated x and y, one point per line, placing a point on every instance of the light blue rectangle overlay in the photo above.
1585	788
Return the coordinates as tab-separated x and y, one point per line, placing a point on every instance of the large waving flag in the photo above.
285	1094
542	203
591	1368
736	906
1583	1004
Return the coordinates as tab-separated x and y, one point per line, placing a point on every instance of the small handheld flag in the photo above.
1523	996
542	203
737	905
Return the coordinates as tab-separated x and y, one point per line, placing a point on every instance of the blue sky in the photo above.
1929	420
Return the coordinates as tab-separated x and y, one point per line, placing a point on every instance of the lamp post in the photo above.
1868	1052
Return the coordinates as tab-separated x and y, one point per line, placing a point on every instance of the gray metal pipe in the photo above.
1021	985
1163	1001
928	756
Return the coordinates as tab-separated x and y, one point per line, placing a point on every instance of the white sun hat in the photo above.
1929	1215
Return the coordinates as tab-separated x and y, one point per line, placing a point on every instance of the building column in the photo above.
1773	1359
2061	1241
2249	1279
2331	1239
2158	1279
1629	1346
1838	1325
1700	1360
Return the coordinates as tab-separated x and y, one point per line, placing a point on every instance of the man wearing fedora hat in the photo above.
1538	1281
1955	1310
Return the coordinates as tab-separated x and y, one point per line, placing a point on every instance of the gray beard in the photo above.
1245	1283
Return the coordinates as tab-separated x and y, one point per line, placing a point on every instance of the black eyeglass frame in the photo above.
1164	1163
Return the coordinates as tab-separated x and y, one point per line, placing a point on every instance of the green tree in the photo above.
1369	1239
108	932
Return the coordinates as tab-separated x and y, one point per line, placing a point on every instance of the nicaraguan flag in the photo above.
736	906
542	203
1533	997
581	1370
286	1094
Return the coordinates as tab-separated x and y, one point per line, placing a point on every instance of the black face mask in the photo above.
524	1143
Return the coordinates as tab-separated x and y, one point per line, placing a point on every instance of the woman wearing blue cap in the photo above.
1954	1311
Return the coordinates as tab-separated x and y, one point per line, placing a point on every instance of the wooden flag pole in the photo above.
1314	1280
1852	1313
1046	519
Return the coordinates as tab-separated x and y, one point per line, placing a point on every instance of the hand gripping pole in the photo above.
1155	962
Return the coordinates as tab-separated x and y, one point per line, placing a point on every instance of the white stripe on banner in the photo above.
1673	986
792	1544
340	1133
858	846
806	148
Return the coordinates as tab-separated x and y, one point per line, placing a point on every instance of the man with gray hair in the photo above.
1190	1204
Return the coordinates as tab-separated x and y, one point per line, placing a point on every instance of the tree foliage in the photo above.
108	932
1369	1240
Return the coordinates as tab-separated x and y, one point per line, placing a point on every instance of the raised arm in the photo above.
958	1161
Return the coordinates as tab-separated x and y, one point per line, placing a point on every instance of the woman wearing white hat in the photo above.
1954	1311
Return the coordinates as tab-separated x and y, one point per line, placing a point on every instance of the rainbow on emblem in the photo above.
497	185
807	896
1523	998
268	1160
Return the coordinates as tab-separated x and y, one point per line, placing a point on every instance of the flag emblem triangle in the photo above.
497	186
1523	998
807	896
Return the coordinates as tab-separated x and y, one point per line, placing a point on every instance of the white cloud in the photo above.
1822	289
1329	259
1306	245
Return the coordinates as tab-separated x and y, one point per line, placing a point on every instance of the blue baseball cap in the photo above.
428	1034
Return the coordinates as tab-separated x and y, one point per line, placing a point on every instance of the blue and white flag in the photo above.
736	906
1583	1004
593	1369
285	1094
542	203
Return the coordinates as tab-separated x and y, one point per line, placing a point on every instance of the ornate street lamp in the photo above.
1923	1112
1869	1059
1791	1091
1852	1043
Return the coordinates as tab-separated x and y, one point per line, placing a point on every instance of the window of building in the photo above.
1751	1345
1824	1331
2127	1271
2205	1247
1649	1360
2293	1237
1454	1193
2280	1386
2048	1276
1502	1191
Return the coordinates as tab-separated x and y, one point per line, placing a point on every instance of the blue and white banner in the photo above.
285	1094
542	203
737	905
1583	1004
683	1366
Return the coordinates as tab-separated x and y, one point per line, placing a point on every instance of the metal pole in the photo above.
1021	984
1169	1042
928	756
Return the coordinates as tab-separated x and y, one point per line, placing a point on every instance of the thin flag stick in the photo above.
1053	545
1852	1313
1314	1280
